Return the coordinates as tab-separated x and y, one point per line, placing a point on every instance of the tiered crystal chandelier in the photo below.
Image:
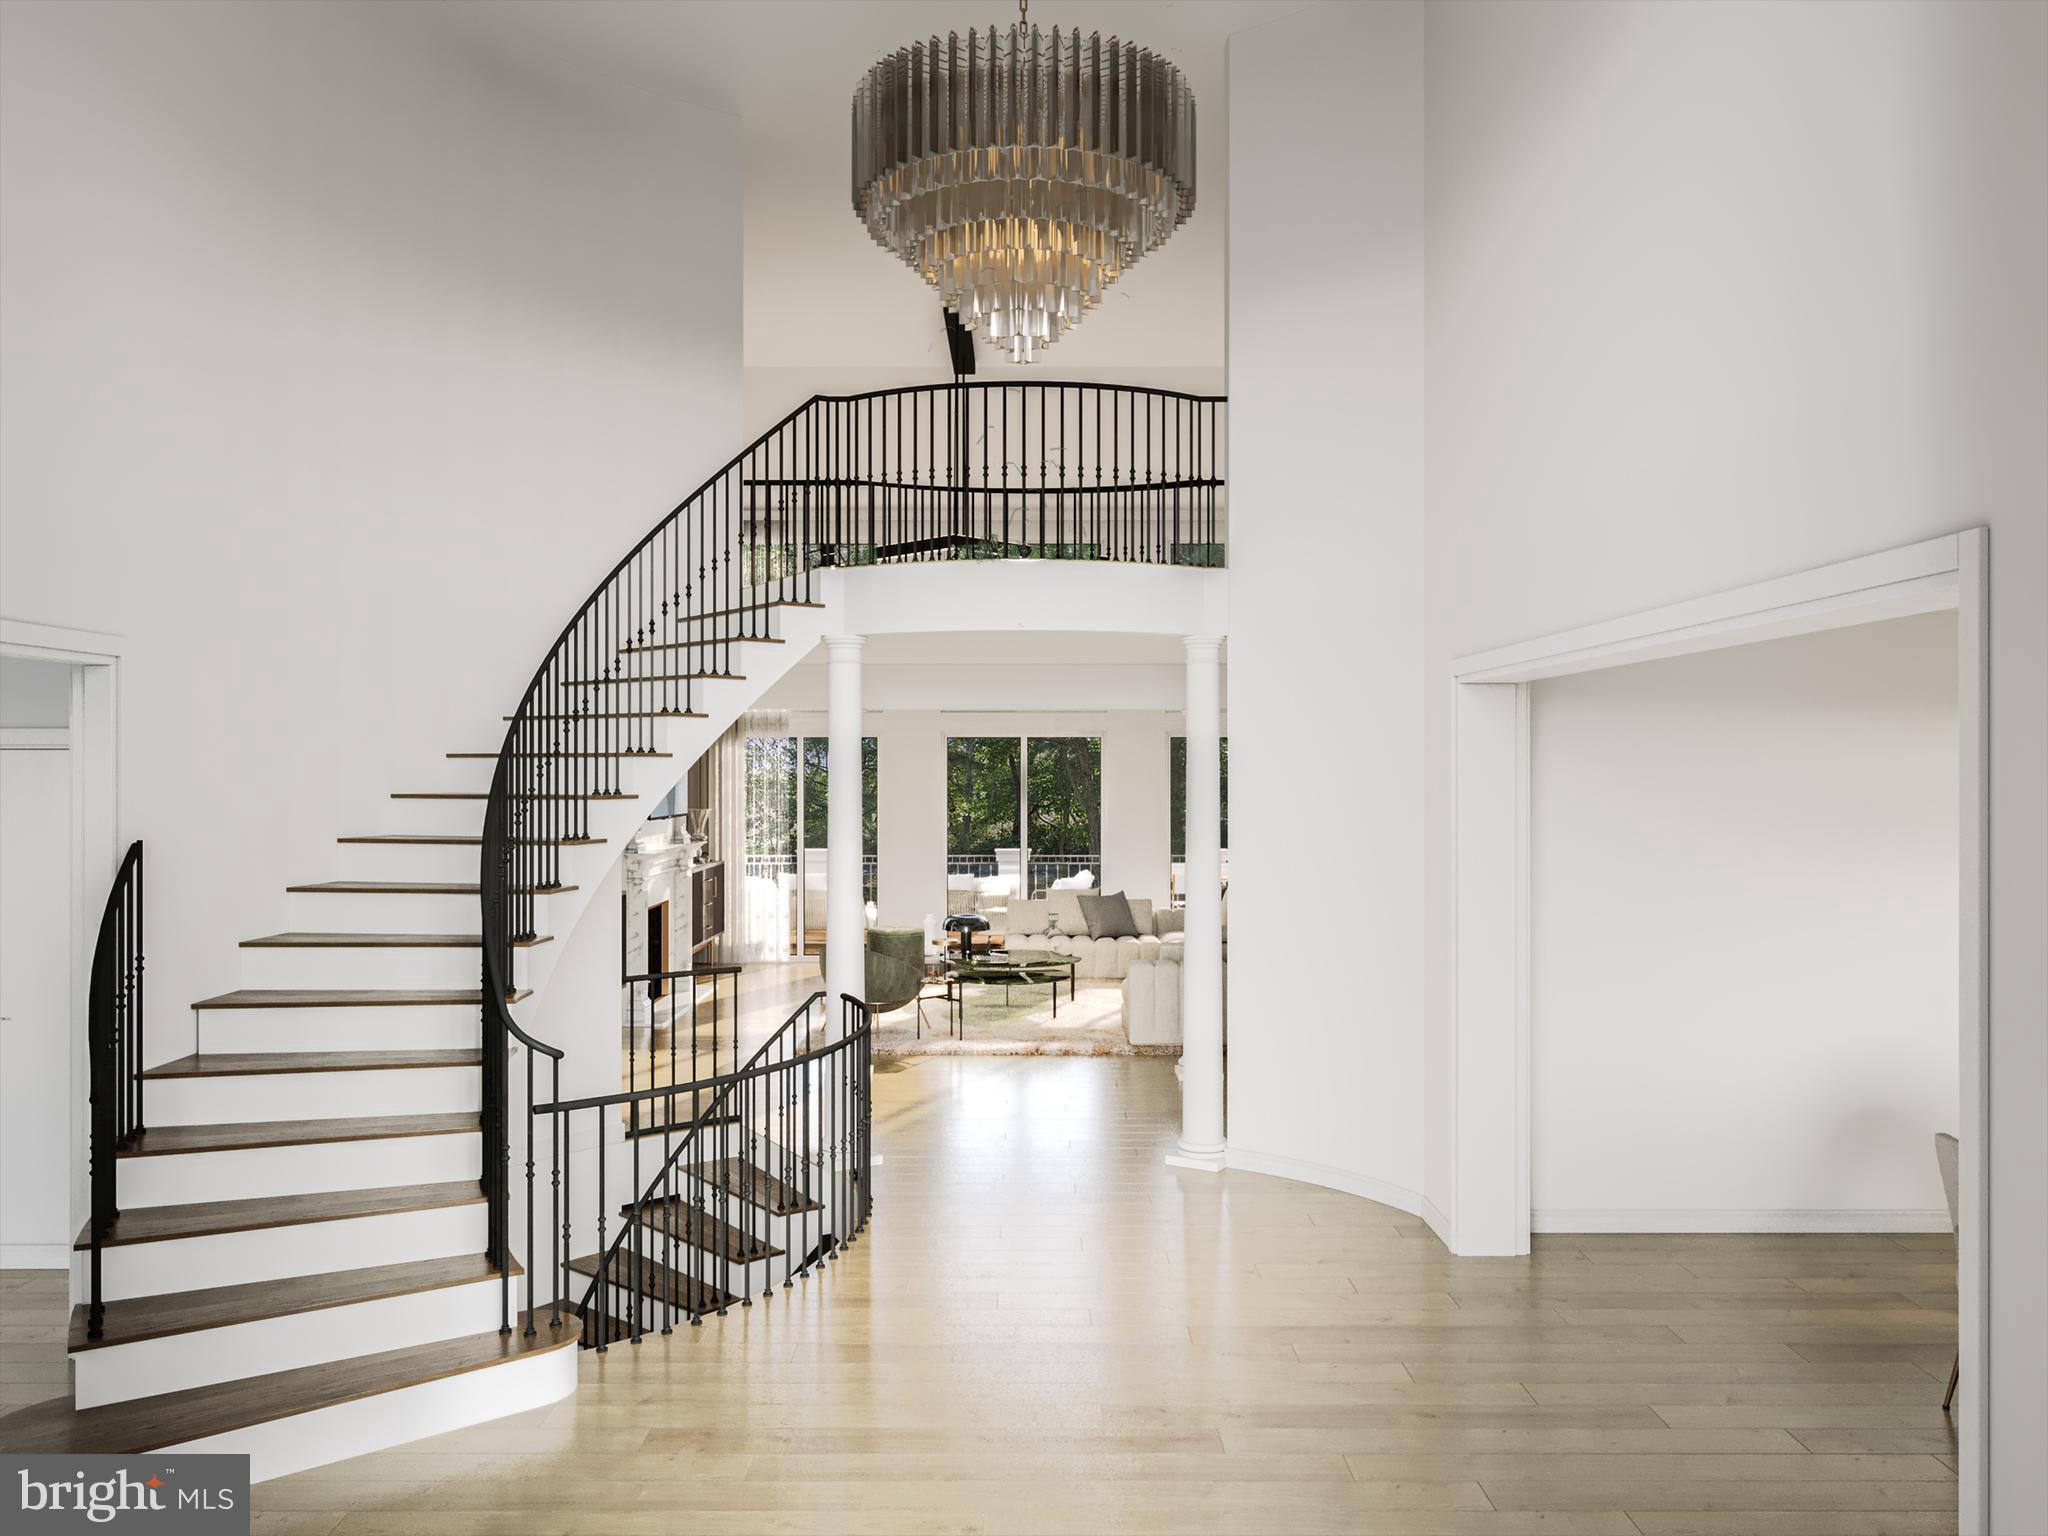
1021	174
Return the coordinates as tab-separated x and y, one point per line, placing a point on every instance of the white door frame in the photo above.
96	829
1489	1108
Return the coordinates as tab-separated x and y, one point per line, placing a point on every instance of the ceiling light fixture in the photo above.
1021	174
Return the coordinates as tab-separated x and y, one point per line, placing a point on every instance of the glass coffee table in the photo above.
1014	968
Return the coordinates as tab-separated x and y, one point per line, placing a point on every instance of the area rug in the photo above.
1090	1025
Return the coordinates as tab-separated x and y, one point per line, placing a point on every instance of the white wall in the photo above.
1714	293
1721	292
910	813
342	351
1326	679
1743	942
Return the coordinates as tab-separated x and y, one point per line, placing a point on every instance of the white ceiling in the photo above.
819	294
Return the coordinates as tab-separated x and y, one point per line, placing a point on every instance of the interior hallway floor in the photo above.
1047	1330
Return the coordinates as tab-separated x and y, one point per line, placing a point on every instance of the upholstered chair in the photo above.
895	967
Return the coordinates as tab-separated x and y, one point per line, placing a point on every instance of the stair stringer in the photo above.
721	702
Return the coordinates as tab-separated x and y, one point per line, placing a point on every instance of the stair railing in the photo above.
770	1173
114	1042
1040	470
673	1003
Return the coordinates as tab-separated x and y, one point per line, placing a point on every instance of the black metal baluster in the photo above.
554	1192
604	1268
729	1174
669	1217
636	1287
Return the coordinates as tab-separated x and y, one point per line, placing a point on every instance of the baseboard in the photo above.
1439	1223
1656	1221
35	1256
1305	1171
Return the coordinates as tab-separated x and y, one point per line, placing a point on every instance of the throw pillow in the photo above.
1108	917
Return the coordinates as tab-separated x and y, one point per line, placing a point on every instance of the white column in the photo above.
1201	1050
845	925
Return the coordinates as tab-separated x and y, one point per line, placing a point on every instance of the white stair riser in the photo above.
313	1095
430	1027
385	912
467	773
315	1169
120	1372
437	966
406	861
275	1253
457	817
283	1446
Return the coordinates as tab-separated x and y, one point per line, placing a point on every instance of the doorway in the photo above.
1488	1157
82	669
35	948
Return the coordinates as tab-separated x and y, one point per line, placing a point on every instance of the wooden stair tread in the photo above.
267	1063
156	1317
459	840
655	1281
175	1418
409	888
636	1130
706	643
345	997
480	794
211	1218
739	1177
701	1229
383	941
621	714
726	613
661	677
247	1135
492	757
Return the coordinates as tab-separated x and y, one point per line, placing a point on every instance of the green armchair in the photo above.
895	968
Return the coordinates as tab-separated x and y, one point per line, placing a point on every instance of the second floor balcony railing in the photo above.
988	471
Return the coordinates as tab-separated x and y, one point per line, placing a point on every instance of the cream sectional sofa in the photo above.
1027	924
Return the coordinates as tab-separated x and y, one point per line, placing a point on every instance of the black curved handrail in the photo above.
829	1155
114	1038
969	470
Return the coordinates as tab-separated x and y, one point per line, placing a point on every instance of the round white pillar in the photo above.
1201	1058
845	914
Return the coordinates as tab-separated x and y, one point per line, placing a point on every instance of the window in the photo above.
788	780
983	795
817	752
1064	799
1177	810
1021	814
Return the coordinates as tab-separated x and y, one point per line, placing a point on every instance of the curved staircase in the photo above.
305	1264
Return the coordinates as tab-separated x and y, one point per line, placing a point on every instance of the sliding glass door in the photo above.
1023	816
984	800
788	779
1063	801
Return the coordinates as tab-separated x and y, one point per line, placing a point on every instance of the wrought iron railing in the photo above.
681	1027
114	1041
1040	470
760	1173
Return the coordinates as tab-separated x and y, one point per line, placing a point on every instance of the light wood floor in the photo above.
1046	1330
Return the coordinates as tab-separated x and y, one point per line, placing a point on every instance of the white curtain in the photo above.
754	929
